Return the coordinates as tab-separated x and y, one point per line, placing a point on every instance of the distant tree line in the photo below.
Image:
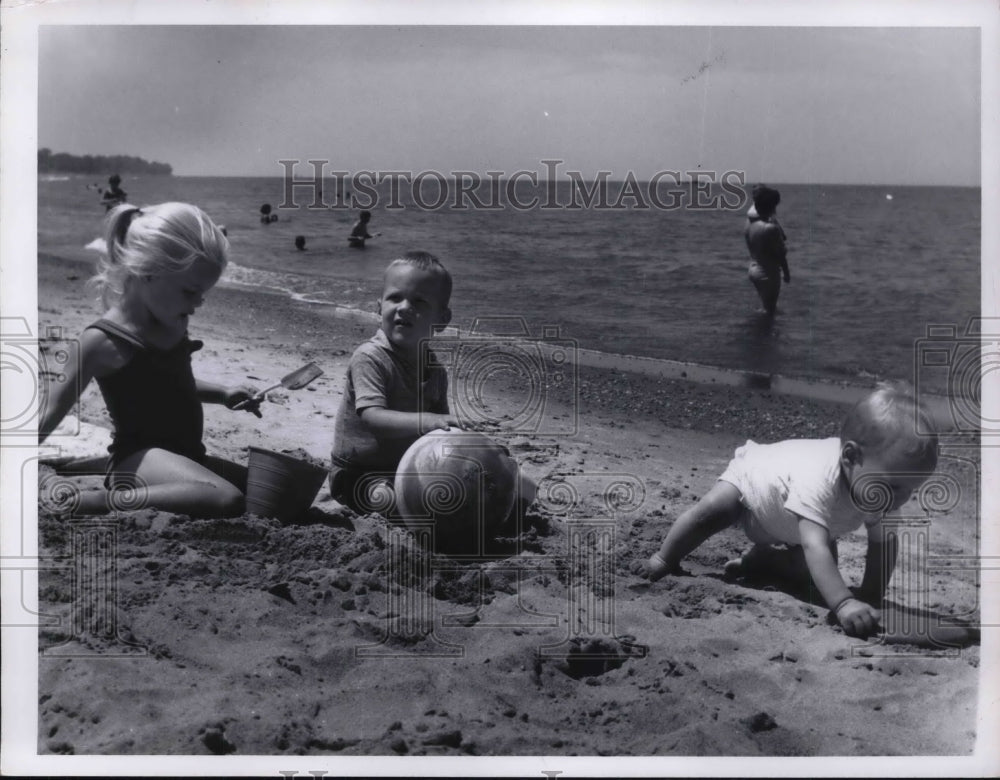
61	162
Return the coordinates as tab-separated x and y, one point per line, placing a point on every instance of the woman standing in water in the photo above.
766	242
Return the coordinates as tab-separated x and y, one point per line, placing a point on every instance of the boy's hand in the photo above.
858	619
243	397
436	422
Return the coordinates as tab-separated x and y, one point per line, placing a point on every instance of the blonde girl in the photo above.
160	263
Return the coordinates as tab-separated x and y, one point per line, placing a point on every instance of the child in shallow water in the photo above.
160	262
804	493
359	233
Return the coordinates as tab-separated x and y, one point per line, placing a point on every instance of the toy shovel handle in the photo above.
256	399
293	381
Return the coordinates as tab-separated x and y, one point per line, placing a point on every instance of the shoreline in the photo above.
810	388
667	397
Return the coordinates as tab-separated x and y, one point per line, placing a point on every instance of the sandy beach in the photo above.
244	636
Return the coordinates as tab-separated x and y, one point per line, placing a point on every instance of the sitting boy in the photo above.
804	493
386	407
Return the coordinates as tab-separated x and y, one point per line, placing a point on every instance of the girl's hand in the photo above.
858	618
244	394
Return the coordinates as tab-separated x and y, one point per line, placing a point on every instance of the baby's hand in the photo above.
652	569
875	599
243	397
858	619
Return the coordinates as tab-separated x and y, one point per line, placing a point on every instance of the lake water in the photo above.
872	267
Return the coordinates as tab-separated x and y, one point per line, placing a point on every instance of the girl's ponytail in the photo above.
110	277
153	241
116	230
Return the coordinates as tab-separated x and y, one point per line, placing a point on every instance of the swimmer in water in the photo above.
360	231
114	195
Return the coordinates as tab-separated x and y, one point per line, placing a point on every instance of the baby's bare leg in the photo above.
717	510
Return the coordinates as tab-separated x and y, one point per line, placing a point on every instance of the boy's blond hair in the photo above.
888	419
425	261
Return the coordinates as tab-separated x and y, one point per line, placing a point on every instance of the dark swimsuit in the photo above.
152	399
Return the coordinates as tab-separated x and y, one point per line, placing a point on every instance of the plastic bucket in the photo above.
280	486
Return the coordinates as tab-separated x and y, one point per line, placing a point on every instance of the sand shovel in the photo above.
296	380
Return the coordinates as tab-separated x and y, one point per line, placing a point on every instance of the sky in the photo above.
783	104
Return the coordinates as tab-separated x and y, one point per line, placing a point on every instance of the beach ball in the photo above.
457	488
